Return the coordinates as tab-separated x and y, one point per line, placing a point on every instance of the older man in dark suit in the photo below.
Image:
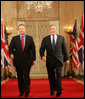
55	47
22	51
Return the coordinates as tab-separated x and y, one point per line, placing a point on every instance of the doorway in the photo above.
38	30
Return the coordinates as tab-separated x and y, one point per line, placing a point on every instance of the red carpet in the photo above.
40	89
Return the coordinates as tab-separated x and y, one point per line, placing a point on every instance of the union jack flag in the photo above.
5	59
81	41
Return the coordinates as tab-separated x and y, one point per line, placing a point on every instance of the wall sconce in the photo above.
68	29
9	30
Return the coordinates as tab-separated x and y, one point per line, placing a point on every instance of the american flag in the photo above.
5	59
74	47
81	41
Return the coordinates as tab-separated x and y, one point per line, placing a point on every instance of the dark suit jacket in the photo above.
60	52
25	57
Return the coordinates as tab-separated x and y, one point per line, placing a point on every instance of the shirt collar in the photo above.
23	36
54	36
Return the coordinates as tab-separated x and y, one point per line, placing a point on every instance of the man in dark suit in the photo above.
22	51
56	54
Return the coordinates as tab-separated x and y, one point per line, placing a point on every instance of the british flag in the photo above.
81	41
5	59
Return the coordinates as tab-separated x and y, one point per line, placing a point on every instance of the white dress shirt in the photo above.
55	37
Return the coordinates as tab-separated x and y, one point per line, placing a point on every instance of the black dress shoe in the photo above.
26	93
52	93
21	94
58	94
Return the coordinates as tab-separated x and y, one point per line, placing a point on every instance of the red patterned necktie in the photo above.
22	41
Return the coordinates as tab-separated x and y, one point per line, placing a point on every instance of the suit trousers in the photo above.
23	77
54	70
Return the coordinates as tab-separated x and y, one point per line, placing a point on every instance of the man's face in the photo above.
22	30
53	30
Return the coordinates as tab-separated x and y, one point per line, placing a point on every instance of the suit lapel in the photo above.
57	42
19	42
25	43
50	44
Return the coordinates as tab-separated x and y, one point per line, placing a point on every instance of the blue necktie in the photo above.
53	45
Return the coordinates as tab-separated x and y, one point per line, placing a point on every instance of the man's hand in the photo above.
12	56
67	62
33	63
44	58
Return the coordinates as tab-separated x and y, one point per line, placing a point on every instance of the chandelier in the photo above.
39	6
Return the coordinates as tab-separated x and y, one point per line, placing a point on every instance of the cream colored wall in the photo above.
68	11
48	14
62	11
